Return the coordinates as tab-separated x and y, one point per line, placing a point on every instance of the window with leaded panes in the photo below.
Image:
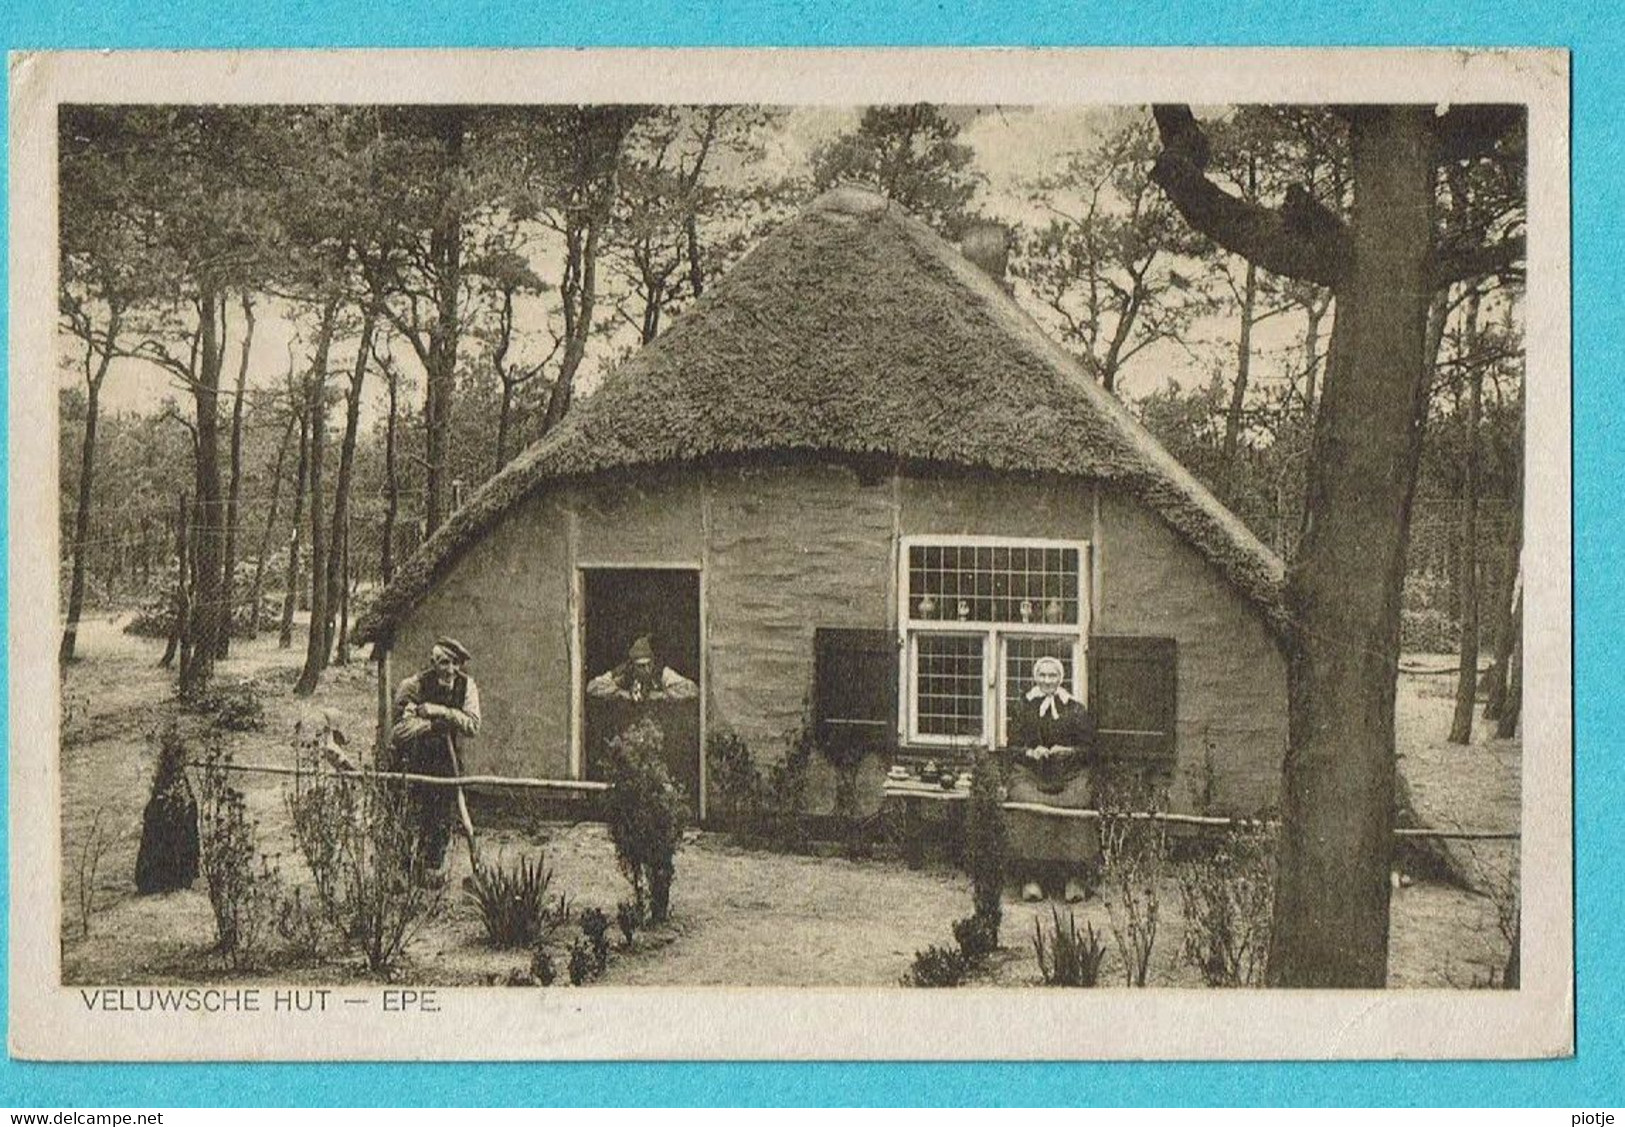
977	613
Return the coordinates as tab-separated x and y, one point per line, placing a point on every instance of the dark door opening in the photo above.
620	606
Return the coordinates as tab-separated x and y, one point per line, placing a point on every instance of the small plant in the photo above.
302	926
583	966
1068	958
1227	898
977	936
987	842
386	897
235	708
735	783
88	865
542	967
322	811
595	927
628	917
1134	848
77	717
784	793
937	966
1499	879
647	816
846	758
513	901
243	885
360	842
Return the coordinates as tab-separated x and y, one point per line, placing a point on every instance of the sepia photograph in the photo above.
920	549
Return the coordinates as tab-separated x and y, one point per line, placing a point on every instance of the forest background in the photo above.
294	338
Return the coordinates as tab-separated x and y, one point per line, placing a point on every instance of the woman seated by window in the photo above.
1052	736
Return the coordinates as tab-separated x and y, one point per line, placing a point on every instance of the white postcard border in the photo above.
51	1021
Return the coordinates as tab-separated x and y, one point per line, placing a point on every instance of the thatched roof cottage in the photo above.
855	486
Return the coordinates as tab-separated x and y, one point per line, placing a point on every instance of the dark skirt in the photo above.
1038	838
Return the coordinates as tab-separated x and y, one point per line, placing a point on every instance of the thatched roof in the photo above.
854	331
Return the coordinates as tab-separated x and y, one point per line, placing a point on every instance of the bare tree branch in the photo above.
1503	259
1295	242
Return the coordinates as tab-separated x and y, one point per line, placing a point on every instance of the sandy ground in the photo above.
741	917
1476	786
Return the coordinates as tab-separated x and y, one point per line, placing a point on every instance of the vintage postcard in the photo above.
1044	554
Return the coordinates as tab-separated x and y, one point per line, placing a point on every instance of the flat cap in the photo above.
455	648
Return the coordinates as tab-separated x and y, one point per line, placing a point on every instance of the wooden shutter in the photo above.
1132	692
855	688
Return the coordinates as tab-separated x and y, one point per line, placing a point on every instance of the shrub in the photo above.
156	618
595	927
1228	897
647	815
583	966
360	843
321	811
1428	631
1134	848
513	901
784	794
735	783
302	926
977	936
168	857
236	707
244	888
987	842
385	897
542	967
97	841
937	966
628	917
1068	958
846	759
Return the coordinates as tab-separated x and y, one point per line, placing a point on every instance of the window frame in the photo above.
994	636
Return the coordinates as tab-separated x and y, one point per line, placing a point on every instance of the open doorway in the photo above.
619	607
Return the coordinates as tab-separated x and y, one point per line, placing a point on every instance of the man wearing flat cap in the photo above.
434	710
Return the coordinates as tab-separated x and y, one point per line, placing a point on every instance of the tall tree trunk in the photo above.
1311	355
504	412
1331	902
654	290
341	485
579	292
316	638
1461	726
258	591
1512	707
182	611
341	654
290	588
446	253
207	558
579	325
1495	688
229	578
1244	361
696	264
392	481
87	471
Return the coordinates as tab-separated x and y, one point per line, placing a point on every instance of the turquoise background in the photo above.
1592	30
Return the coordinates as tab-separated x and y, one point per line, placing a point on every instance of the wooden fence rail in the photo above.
589	786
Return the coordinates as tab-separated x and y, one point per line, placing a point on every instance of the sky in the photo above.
1012	146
